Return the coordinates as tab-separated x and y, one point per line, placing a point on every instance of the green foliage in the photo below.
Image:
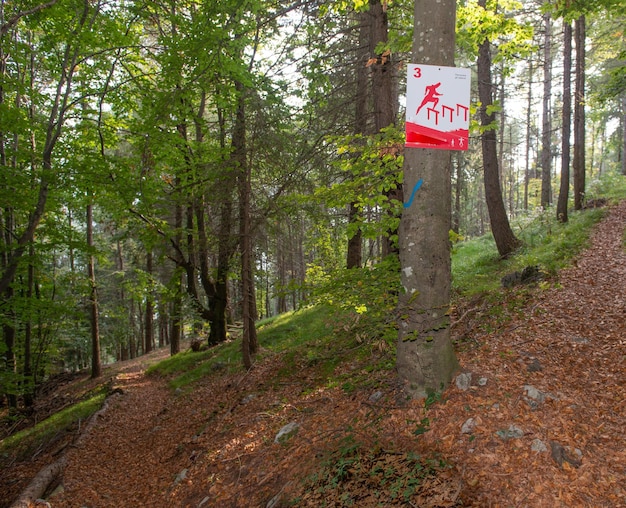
353	472
511	37
370	167
365	297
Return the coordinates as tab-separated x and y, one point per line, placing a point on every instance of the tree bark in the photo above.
249	343
561	208
624	135
149	317
96	364
546	127
578	165
383	94
425	356
506	241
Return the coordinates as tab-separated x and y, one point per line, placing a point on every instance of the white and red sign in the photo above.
437	107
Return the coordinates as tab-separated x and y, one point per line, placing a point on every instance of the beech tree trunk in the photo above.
425	356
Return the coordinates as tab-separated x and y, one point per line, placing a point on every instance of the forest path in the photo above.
554	368
556	372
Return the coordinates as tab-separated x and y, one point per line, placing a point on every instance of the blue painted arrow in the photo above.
415	189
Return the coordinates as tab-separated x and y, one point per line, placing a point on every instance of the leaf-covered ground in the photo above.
548	369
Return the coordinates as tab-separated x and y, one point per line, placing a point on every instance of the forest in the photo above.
171	169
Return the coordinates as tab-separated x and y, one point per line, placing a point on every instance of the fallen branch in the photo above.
49	476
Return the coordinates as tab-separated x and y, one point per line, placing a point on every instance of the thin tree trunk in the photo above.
623	154
529	105
546	130
249	344
96	365
561	209
579	116
383	96
149	317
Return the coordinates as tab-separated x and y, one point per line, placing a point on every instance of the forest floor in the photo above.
541	421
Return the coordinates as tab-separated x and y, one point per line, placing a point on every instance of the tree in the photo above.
561	209
546	130
506	241
578	163
96	365
425	356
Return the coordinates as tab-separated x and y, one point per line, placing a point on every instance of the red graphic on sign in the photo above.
430	95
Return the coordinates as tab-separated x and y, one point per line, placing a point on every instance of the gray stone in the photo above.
376	396
287	432
534	366
512	432
181	476
534	394
538	446
464	380
482	381
248	398
469	426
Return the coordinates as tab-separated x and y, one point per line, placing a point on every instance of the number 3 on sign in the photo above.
417	72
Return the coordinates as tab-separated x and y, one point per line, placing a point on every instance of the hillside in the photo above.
535	419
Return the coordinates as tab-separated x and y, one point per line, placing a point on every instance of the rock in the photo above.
464	381
538	446
526	276
469	426
562	454
534	394
534	366
181	476
580	340
535	397
482	381
287	432
512	432
248	398
376	396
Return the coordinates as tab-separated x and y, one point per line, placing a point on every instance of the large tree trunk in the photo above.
561	208
546	128
425	356
578	165
506	241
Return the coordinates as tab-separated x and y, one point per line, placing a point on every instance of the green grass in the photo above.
477	268
33	437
